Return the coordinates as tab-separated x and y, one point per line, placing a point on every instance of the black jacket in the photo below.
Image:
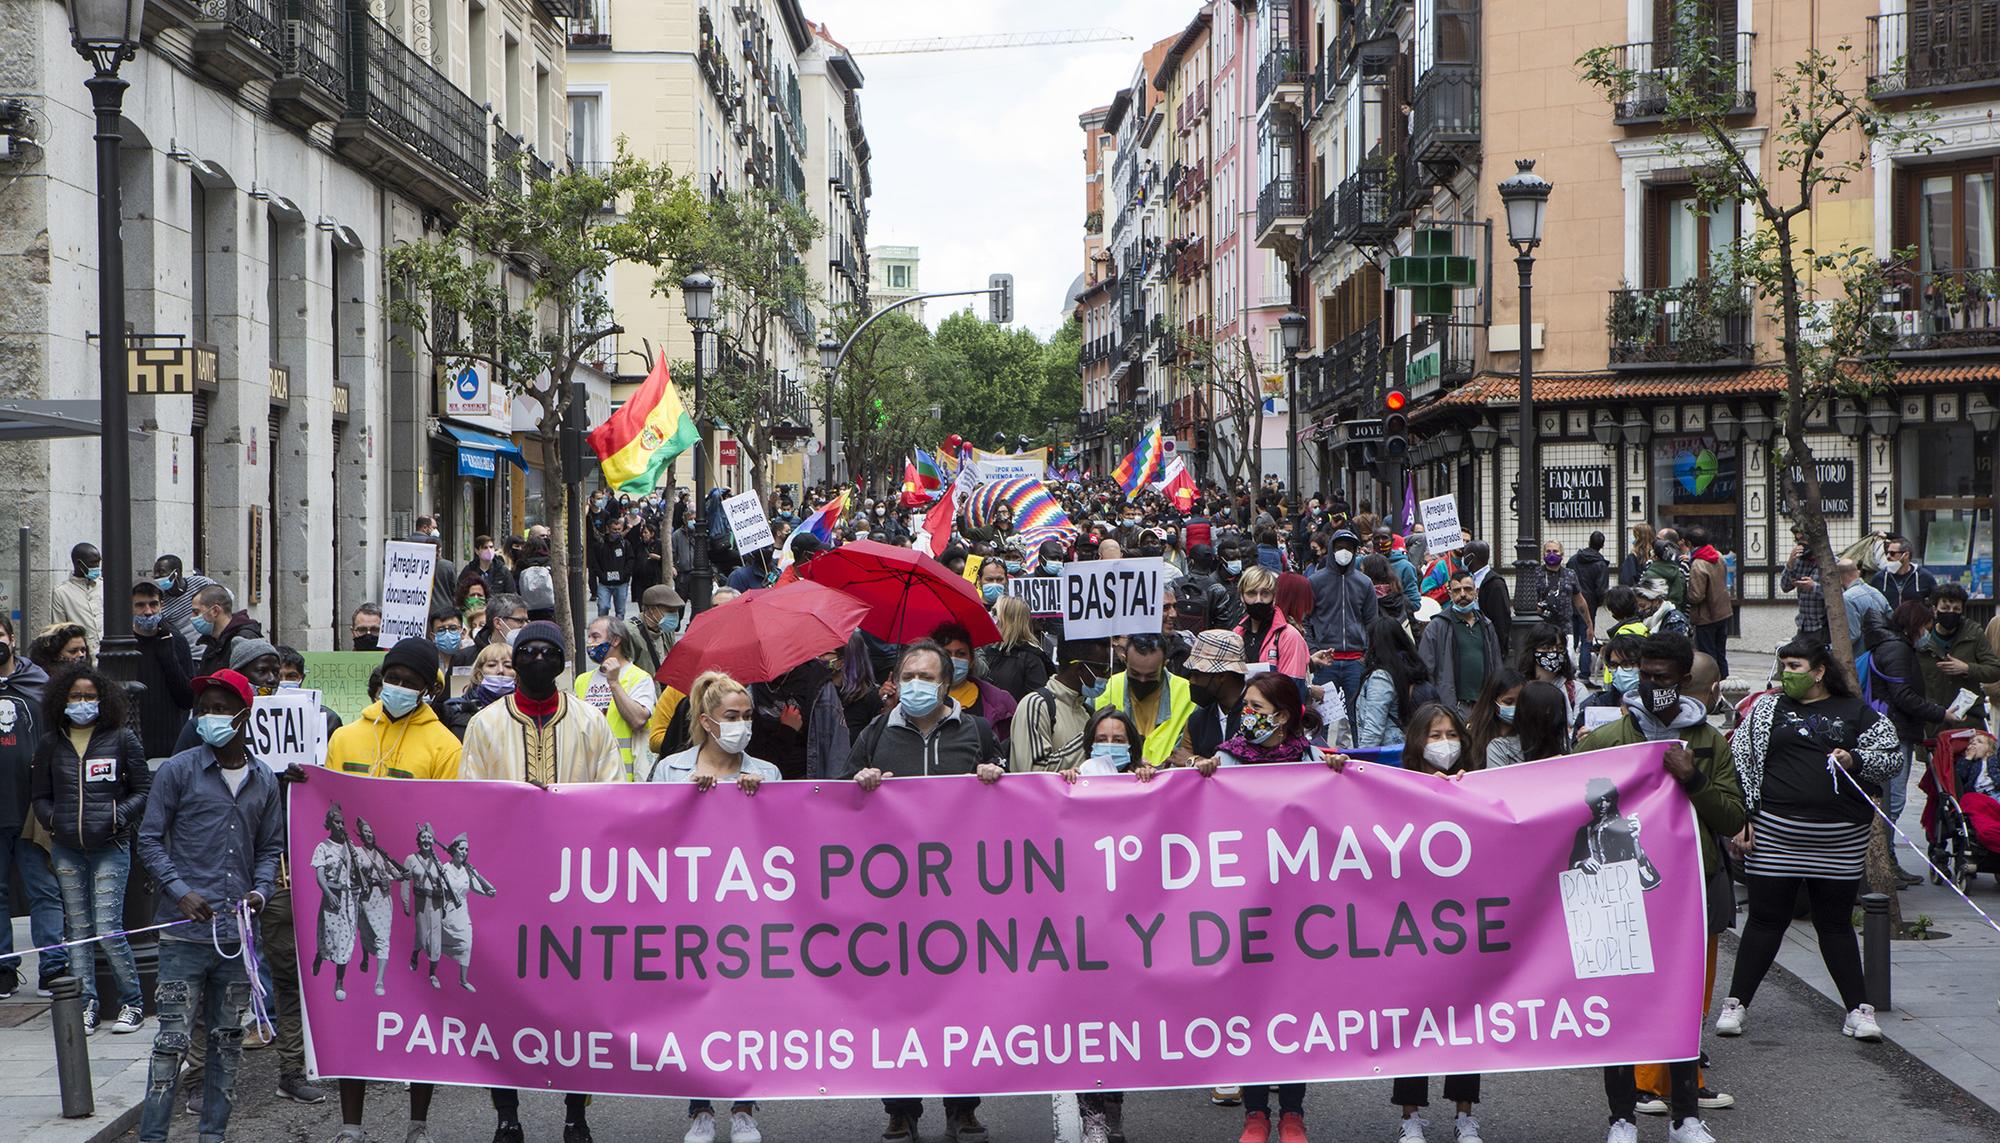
215	648
20	732
1593	575
1020	670
166	668
87	803
957	745
1895	677
1498	607
620	557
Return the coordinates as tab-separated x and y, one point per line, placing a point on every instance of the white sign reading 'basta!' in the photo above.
1102	598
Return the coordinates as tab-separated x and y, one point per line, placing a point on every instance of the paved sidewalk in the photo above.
30	1101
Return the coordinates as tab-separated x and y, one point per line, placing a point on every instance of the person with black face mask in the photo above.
1157	701
1956	654
1214	671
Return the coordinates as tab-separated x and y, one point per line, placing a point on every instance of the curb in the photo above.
118	1125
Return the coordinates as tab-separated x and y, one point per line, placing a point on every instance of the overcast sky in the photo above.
978	160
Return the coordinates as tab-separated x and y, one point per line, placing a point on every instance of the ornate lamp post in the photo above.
698	294
1526	198
1292	333
829	360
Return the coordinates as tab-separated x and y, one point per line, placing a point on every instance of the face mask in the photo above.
918	698
1119	754
1260	612
367	642
1506	713
1233	567
1623	679
1343	558
145	624
93	574
510	636
1015	567
216	729
1948	622
495	686
202	626
1442	754
537	676
447	640
1144	688
960	668
1381	591
81	713
1259	727
1659	700
1550	660
991	592
164	583
1553	559
734	737
486	554
1464	608
599	652
291	684
1053	567
1201	694
668	623
399	701
1796	684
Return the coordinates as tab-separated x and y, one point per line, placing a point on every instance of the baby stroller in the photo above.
1954	844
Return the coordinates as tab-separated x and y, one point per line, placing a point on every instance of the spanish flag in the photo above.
644	435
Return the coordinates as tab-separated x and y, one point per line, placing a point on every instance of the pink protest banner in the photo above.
939	936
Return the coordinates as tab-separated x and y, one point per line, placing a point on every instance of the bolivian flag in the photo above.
644	435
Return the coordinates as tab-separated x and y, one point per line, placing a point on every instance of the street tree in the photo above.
752	243
882	394
1224	373
513	284
991	379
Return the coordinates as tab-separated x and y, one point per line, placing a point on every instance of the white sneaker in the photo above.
130	1017
701	1129
1095	1128
1623	1132
1730	1021
743	1128
1468	1129
1690	1131
1650	1105
1413	1130
1861	1024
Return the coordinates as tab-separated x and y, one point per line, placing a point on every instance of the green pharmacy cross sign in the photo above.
1432	273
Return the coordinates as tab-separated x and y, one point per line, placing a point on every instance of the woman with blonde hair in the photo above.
492	678
1268	633
1632	568
1016	664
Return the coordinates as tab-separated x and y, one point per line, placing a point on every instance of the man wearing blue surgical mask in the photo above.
1048	725
178	587
80	598
621	692
658	627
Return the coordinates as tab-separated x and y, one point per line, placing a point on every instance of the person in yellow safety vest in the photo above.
1158	701
621	692
1623	604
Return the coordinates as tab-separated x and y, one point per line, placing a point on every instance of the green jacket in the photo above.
1677	580
1970	648
1716	792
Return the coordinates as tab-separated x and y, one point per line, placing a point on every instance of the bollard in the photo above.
72	1048
1875	949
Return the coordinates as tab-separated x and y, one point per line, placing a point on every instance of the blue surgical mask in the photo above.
145	624
1624	679
82	712
992	592
1119	753
447	639
1092	691
291	684
1015	567
164	583
599	652
959	669
1052	567
202	626
1465	608
399	701
93	574
1233	567
216	729
670	623
918	698
1506	713
495	687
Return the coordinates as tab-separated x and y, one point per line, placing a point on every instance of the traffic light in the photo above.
1001	299
1396	422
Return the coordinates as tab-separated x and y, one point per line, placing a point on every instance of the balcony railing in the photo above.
261	21
1367	205
1444	125
1281	67
1282	199
1451	360
508	161
311	86
392	88
1944	45
1321	229
1703	322
591	27
239	41
1944	311
1658	71
1354	363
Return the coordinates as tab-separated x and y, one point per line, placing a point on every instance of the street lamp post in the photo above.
698	294
106	32
1292	330
829	360
1526	197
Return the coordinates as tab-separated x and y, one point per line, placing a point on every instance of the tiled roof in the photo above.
1488	389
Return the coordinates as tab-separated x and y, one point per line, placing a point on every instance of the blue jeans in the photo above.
1345	674
193	976
1577	627
45	906
612	598
1899	783
93	893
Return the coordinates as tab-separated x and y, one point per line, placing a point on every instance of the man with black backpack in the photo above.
1047	732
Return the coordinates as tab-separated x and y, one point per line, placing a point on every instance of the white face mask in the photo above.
509	637
1442	754
734	737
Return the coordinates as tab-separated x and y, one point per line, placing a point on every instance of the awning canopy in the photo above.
479	453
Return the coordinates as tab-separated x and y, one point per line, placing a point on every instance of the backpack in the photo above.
538	588
1864	666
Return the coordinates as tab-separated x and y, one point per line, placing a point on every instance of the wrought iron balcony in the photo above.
590	28
509	163
406	121
1367	205
1944	311
1444	124
1944	45
1658	71
311	87
1321	236
1354	363
1282	69
1280	205
1441	350
239	41
1703	322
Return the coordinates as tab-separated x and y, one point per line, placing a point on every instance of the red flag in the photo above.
913	489
936	531
1179	486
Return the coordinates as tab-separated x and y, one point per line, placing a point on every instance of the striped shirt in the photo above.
177	611
1789	847
1047	733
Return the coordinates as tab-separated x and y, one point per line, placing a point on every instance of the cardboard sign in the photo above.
1605	913
1102	598
341	679
286	728
1042	593
994	467
406	591
1442	532
748	522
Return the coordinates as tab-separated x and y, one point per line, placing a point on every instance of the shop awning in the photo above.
480	454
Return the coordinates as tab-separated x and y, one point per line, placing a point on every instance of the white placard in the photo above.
1102	598
994	467
1042	593
287	728
1606	915
406	591
1442	532
747	520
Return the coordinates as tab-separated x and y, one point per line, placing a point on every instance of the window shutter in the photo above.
1654	255
1725	34
200	410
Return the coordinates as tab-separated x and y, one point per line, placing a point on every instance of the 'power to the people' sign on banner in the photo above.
1102	598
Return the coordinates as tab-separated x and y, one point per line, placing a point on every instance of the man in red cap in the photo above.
213	834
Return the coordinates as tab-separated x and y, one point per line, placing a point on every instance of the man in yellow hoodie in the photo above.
398	736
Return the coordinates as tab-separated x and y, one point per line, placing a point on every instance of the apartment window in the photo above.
1684	239
586	130
541	113
899	277
198	257
475	51
510	58
1948	214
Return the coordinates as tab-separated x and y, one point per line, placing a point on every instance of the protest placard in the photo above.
1042	594
748	522
1442	532
406	591
1605	913
1102	598
994	467
341	677
287	728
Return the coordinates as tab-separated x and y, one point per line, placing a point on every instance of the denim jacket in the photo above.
198	838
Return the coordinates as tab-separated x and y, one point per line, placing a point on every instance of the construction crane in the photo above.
986	42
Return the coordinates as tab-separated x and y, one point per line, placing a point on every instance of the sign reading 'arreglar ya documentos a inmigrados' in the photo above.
1283	922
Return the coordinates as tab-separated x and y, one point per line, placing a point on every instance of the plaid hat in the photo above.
1215	652
242	651
228	680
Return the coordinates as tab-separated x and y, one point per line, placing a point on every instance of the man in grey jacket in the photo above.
1460	647
1343	603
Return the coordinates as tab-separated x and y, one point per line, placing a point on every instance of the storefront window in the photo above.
1947	508
1696	482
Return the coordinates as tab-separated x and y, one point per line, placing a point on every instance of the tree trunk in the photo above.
555	494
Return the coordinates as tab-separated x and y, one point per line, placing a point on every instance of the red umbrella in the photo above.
908	593
761	634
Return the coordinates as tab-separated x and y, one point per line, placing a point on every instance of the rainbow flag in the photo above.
823	524
1145	463
645	434
930	478
1024	503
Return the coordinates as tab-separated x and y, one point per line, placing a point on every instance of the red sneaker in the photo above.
1256	1128
1291	1128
